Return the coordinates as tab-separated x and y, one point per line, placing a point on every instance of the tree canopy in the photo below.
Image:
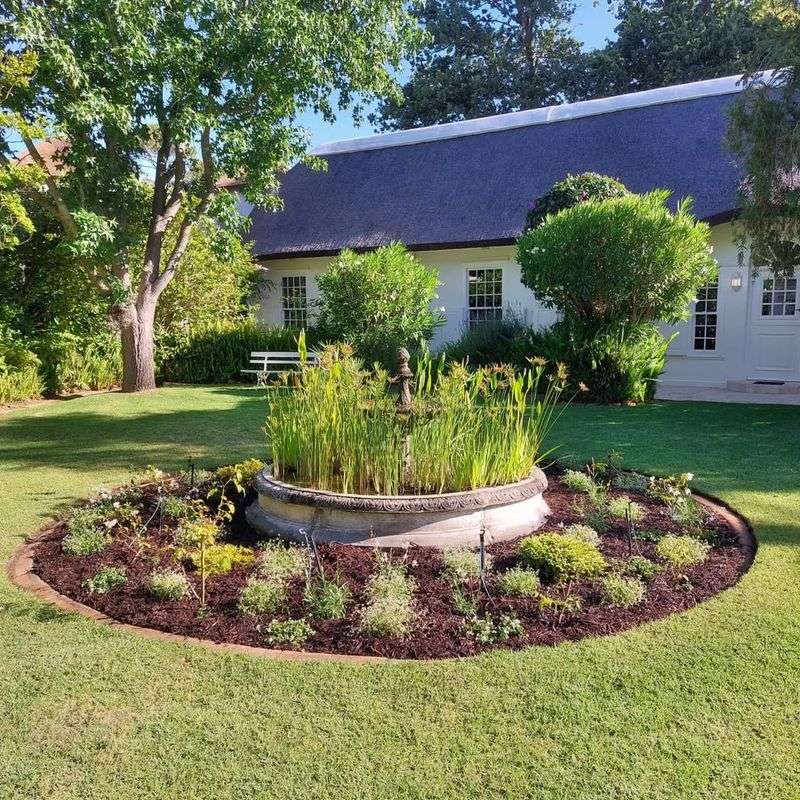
159	101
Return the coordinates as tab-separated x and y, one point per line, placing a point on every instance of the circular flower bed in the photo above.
618	549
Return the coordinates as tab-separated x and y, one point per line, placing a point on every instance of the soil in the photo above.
438	632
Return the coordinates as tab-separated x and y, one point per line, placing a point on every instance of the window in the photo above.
705	317
293	301
485	295
779	297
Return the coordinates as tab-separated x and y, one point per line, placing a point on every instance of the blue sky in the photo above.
592	23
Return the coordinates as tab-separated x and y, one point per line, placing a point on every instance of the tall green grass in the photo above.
219	351
336	427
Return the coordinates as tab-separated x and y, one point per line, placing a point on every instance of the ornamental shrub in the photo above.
641	567
222	558
261	597
572	190
620	591
327	599
106	579
167	584
19	372
682	551
517	582
631	482
389	611
561	558
461	565
378	301
620	508
579	481
291	632
86	533
281	562
585	533
488	630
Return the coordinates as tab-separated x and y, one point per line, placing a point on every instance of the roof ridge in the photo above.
537	116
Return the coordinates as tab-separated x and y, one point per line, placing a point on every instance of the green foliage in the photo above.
339	429
19	372
620	591
462	565
491	630
682	551
106	579
281	562
241	474
623	508
579	482
217	352
221	558
72	362
291	632
670	489
261	597
506	341
517	582
561	558
631	482
389	611
167	584
180	509
327	599
619	262
572	190
584	533
641	567
485	58
378	301
464	601
87	533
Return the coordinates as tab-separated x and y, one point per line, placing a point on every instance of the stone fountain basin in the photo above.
454	519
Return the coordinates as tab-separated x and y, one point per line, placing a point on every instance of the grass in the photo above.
702	705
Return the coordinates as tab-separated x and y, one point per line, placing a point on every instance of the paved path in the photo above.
725	396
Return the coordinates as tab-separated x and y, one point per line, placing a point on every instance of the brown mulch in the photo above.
438	632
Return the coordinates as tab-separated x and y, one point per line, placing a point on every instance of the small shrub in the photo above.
561	558
682	551
280	562
390	582
292	632
181	509
631	482
670	488
518	582
464	602
87	534
641	567
462	565
562	606
241	474
387	616
167	585
487	630
584	533
624	592
327	599
106	579
222	558
261	597
623	508
579	482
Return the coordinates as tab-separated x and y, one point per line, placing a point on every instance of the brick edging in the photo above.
20	572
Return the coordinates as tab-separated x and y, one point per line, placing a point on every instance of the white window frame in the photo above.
701	321
768	296
471	277
294	316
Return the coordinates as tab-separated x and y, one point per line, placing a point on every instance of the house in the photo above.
457	195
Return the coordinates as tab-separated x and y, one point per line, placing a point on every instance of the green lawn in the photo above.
702	705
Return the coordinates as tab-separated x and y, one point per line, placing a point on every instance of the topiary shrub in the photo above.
572	190
614	268
682	551
378	301
561	558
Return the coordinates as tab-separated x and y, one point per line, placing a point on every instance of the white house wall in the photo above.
684	365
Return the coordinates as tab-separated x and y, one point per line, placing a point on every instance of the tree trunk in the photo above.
136	329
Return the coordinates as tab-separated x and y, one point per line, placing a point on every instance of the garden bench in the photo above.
266	363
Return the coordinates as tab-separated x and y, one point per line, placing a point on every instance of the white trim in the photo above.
537	116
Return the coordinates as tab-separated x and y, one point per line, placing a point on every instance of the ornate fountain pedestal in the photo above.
438	520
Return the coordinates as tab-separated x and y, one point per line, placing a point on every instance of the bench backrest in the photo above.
271	359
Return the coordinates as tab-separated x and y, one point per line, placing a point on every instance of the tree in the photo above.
765	134
212	88
665	42
378	301
485	57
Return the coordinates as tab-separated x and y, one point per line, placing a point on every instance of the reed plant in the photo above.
336	428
